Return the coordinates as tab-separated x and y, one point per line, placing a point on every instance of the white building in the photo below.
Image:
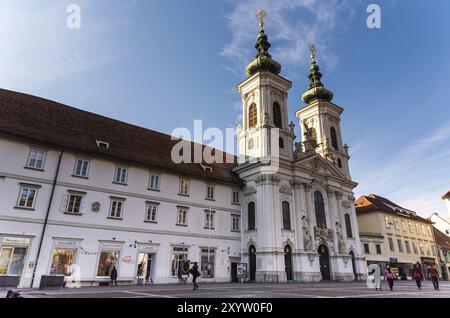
79	188
446	198
441	223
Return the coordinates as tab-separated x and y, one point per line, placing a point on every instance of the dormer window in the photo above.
102	144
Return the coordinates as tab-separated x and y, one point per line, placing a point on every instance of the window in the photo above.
235	223
400	246
348	226
408	248
320	210
339	161
252	116
427	248
334	141
251	215
151	212
429	232
411	227
386	221
391	244
421	249
417	228
107	261
27	196
154	182
423	230
81	168
74	203
396	224
121	175
235	199
209	219
61	260
102	144
286	215
404	227
36	159
12	260
207	262
209	192
116	208
366	248
179	254
281	143
184	187
415	248
182	216
277	115
378	248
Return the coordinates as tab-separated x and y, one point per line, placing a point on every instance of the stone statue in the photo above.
342	249
307	241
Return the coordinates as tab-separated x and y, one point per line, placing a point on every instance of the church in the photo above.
85	193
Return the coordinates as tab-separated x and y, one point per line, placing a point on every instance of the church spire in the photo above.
316	89
263	60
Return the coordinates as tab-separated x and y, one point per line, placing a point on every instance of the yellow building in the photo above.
394	235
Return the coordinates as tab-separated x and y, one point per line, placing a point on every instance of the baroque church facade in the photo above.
299	216
83	193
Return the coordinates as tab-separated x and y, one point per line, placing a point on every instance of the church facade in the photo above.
299	220
82	192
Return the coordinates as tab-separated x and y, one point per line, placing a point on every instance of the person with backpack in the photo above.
195	274
389	275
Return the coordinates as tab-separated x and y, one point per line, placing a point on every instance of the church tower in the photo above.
320	121
265	131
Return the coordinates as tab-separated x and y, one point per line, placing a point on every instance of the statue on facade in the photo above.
342	248
307	241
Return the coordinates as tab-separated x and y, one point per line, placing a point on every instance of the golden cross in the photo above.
261	15
312	48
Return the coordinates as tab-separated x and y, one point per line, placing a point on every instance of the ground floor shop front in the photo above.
402	268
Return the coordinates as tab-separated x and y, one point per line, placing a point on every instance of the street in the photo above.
402	289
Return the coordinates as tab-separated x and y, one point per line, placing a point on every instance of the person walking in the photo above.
113	276
434	276
389	275
417	276
195	274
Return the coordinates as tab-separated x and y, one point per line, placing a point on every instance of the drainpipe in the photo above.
46	218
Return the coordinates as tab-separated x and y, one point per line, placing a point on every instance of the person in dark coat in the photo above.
195	274
113	276
417	276
389	275
434	276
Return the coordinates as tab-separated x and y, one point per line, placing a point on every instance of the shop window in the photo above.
107	261
12	260
179	254
61	260
207	263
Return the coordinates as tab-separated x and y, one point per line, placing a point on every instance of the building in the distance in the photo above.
446	198
443	244
395	236
441	223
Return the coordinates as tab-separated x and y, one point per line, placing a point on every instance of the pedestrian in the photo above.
113	276
389	275
434	276
195	274
417	276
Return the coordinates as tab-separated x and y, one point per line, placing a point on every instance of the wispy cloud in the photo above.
291	25
415	175
37	45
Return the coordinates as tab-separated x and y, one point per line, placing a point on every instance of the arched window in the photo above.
281	143
334	141
252	116
286	215
276	115
251	215
348	225
339	163
320	210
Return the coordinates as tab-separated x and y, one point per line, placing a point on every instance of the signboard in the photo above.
241	271
126	259
16	240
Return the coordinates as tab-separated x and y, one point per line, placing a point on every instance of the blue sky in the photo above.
163	64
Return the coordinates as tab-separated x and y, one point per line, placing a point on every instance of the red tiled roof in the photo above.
441	239
372	202
49	123
446	196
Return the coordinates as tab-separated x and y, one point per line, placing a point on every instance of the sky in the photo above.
163	64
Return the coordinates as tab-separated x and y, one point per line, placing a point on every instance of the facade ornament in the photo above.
323	235
95	207
346	149
266	178
266	118
346	204
342	248
285	189
249	190
292	127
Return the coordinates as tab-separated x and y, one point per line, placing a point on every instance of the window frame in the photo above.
212	193
238	202
155	205
116	174
88	167
251	217
348	225
185	211
28	166
277	115
180	188
122	205
28	187
158	188
69	196
286	215
209	219
252	116
319	209
233	218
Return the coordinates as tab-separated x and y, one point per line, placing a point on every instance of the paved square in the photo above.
402	289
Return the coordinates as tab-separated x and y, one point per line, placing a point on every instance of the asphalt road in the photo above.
402	289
